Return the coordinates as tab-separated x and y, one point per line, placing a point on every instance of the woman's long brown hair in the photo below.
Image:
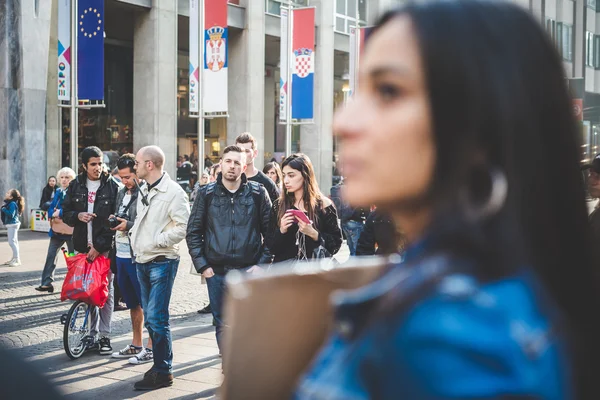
311	196
17	198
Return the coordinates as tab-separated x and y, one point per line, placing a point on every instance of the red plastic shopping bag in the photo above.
85	281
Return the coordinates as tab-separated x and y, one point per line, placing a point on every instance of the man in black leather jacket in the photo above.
227	225
89	201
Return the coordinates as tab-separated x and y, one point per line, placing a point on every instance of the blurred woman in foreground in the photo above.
497	297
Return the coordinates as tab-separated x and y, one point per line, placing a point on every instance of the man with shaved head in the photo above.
160	224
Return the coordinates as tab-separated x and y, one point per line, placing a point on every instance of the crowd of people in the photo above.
459	150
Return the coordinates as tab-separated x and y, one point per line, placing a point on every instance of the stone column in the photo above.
155	80
269	129
53	122
247	78
24	40
316	140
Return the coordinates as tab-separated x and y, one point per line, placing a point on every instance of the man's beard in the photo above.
235	177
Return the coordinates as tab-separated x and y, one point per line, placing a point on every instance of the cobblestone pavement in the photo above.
30	323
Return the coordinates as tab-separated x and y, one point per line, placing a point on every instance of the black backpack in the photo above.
3	216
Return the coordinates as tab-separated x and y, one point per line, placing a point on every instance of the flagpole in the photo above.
288	120
74	100
201	58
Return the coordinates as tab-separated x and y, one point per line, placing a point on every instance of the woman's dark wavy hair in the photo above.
312	197
499	100
15	195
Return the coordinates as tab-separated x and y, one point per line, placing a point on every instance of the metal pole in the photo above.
74	100
288	120
201	57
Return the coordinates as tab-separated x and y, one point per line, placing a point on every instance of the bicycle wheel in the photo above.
76	329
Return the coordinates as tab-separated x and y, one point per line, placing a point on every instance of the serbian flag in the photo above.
303	63
216	42
90	50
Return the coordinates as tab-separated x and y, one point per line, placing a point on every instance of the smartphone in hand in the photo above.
300	216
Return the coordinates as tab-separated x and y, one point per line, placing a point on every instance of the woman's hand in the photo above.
286	221
308	230
56	214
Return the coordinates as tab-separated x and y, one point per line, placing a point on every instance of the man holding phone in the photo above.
225	232
88	204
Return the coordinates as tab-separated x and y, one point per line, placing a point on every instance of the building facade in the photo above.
146	82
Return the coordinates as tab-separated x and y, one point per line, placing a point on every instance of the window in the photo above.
589	49
350	13
596	52
566	42
273	7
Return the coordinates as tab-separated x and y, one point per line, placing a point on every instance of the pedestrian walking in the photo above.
122	221
273	171
497	295
48	193
379	236
162	215
227	227
215	170
247	142
11	211
352	218
60	233
292	236
87	206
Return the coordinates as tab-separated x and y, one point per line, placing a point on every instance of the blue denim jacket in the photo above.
461	339
56	204
11	210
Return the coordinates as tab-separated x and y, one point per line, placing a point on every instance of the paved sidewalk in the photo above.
30	323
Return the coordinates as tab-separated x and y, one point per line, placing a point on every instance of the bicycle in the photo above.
76	334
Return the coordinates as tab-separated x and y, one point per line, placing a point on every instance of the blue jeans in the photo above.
216	294
56	242
156	284
352	229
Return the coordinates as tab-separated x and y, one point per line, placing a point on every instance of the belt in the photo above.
159	259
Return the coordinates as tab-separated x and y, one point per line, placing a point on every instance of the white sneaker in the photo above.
127	352
14	262
144	356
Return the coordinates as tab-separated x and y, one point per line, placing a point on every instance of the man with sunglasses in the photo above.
89	202
160	224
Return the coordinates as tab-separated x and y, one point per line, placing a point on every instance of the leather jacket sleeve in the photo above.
330	234
265	216
103	235
195	232
366	240
69	213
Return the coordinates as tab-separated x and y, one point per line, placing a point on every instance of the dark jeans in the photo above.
216	295
156	284
352	229
56	242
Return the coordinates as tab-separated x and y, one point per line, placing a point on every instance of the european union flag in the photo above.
90	51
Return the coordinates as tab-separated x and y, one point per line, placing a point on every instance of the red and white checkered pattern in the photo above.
303	66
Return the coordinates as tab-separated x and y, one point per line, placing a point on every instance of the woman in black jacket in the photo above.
48	193
289	236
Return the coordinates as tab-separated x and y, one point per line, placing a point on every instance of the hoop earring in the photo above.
495	201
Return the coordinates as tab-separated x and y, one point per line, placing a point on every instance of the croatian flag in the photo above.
216	42
90	50
303	63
